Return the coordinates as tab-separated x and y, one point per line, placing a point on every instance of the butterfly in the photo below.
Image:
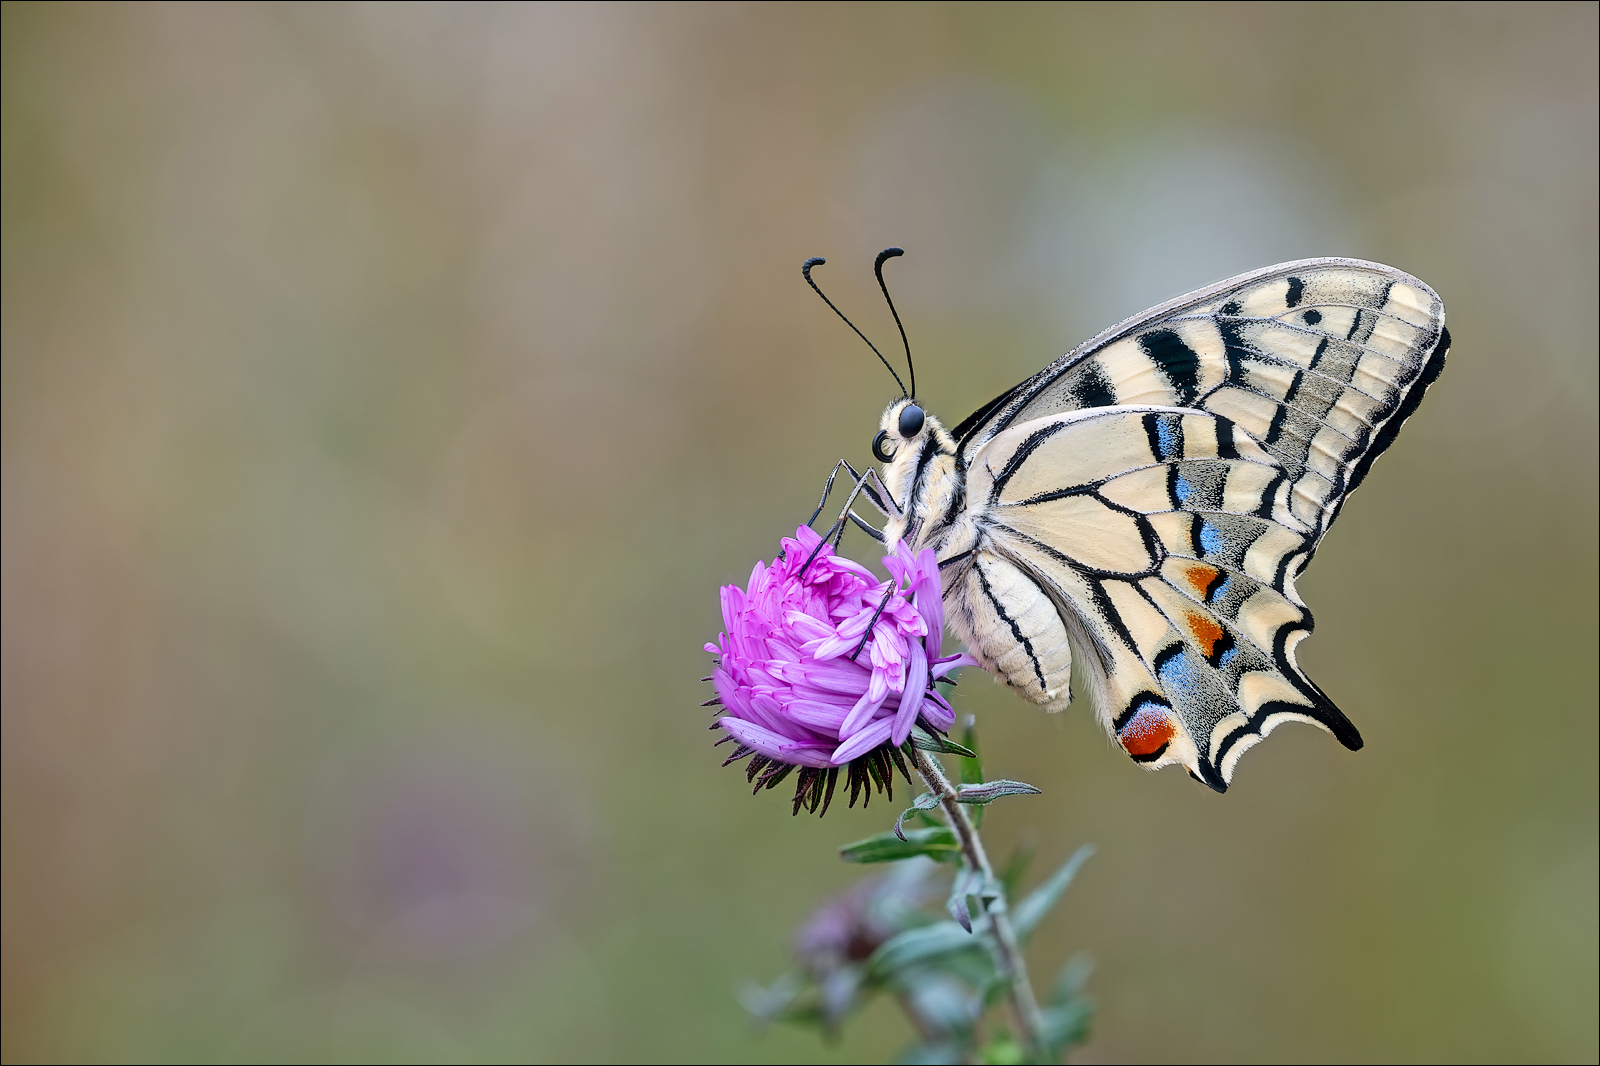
1141	508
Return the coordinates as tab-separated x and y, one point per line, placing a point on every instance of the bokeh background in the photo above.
387	389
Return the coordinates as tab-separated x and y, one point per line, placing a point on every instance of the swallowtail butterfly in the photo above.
1142	506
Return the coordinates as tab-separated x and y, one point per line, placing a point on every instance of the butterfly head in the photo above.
904	422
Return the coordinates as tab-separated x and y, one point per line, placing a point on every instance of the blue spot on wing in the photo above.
1184	490
1210	538
1227	656
1167	434
1179	672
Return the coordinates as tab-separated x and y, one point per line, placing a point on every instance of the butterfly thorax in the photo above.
1027	648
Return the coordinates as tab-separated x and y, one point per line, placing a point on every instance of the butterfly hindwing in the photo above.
1165	542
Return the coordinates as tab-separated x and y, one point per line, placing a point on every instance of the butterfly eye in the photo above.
878	450
910	421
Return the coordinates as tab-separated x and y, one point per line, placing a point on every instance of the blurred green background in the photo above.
387	389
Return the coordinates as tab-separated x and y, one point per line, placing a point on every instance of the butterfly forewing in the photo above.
1318	361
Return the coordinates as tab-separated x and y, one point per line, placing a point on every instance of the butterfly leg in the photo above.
872	492
876	495
868	485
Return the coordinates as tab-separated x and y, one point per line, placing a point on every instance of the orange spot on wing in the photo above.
1147	733
1200	577
1206	632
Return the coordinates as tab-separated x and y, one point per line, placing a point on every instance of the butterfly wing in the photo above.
1165	541
1320	361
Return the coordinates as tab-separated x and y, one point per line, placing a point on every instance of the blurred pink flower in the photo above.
824	666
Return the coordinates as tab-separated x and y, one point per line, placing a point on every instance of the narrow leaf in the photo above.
957	906
938	842
1031	911
1017	868
925	802
1066	1025
940	1001
921	945
971	769
957	903
1074	975
925	1053
836	993
971	765
1002	1050
771	1003
928	741
989	791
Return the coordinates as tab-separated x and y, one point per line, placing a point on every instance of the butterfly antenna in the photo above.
877	268
805	270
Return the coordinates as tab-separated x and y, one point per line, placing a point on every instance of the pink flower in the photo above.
823	666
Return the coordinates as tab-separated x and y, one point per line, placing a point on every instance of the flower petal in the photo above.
862	742
767	712
806	628
911	699
732	695
825	718
878	687
862	713
773	746
937	713
951	663
732	605
834	675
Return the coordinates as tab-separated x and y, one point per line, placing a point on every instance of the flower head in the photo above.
824	667
834	945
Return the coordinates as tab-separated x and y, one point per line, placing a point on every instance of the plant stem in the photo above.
1008	953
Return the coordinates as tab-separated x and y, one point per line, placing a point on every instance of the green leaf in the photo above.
923	944
960	888
838	993
929	1054
1017	868
989	791
1072	978
778	1002
941	1002
1031	911
975	969
1003	1050
929	741
938	842
972	764
925	802
971	768
1066	1025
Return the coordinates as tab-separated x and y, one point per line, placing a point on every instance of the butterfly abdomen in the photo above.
1012	628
